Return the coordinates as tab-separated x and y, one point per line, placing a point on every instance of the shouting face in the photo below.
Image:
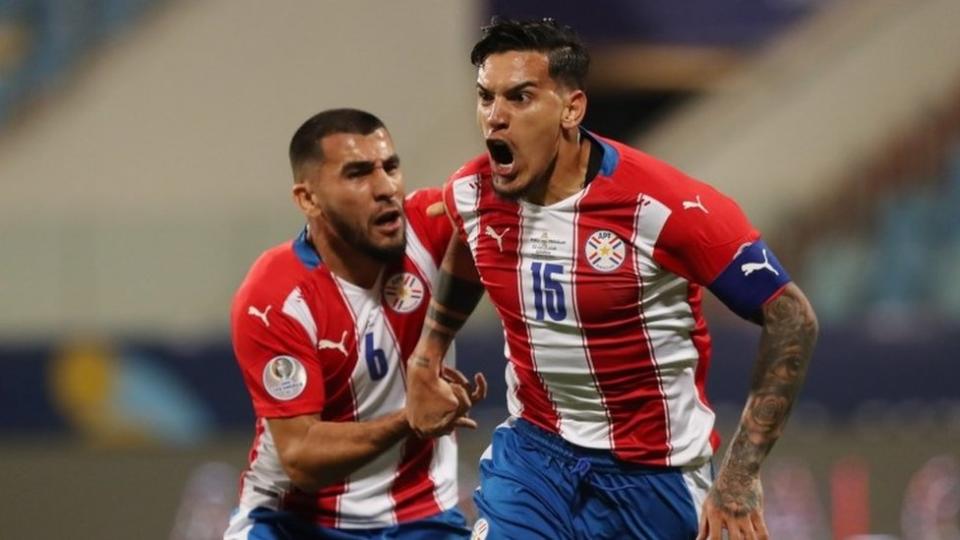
522	112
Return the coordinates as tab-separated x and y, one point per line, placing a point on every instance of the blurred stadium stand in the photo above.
43	41
140	177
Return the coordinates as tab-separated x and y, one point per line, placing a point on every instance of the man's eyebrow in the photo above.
357	166
513	89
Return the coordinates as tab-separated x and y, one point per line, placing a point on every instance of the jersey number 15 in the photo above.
547	291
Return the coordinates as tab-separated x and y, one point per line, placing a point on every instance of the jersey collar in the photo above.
610	156
304	249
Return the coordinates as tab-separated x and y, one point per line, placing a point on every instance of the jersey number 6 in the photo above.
376	358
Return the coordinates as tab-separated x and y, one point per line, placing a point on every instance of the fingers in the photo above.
454	376
743	528
715	526
760	526
465	422
463	399
704	529
480	390
435	209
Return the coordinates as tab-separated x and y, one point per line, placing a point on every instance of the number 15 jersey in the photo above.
600	298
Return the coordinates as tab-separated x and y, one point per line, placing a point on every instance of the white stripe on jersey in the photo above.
514	405
698	480
366	501
295	307
466	195
265	475
443	472
558	347
668	321
420	257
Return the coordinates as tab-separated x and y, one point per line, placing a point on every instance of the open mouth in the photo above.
500	152
390	217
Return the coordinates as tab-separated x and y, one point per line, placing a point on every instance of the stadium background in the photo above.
143	168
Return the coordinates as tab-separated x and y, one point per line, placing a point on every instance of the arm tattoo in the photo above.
789	334
454	300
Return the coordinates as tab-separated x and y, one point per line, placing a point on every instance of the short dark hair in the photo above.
568	57
304	147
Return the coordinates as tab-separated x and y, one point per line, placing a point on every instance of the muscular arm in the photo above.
431	403
315	453
786	344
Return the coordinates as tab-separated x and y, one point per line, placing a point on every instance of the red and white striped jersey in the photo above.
309	342
600	298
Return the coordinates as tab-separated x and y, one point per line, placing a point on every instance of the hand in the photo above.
479	391
436	405
736	506
436	209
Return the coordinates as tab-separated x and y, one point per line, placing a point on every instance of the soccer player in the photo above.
320	327
595	256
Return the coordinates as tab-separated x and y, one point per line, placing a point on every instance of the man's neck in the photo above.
569	173
344	260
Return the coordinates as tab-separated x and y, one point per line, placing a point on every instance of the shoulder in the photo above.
271	278
640	172
418	201
479	165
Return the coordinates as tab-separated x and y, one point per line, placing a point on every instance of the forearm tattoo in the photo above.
789	334
453	301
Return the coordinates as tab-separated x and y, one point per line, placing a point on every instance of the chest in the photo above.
570	264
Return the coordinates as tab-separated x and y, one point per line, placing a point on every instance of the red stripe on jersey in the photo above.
413	491
701	340
322	507
501	269
337	318
580	271
620	353
405	327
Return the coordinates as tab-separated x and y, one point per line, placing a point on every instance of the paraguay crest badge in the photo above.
403	292
605	251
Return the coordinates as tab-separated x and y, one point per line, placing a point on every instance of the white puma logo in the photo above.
338	345
695	204
492	233
750	268
262	315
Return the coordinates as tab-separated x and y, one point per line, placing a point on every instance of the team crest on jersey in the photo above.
284	377
403	292
605	251
480	530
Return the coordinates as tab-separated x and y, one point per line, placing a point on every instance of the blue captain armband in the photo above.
750	279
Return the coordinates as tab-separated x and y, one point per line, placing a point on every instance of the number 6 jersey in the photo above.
600	298
309	342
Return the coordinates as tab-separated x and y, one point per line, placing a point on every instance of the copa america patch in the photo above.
480	529
403	292
605	251
284	377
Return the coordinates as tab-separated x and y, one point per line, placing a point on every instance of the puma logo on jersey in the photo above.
750	268
262	315
492	233
336	345
687	205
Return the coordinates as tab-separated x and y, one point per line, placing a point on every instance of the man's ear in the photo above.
574	110
306	200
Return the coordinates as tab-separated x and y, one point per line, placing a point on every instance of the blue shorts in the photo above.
534	484
266	524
